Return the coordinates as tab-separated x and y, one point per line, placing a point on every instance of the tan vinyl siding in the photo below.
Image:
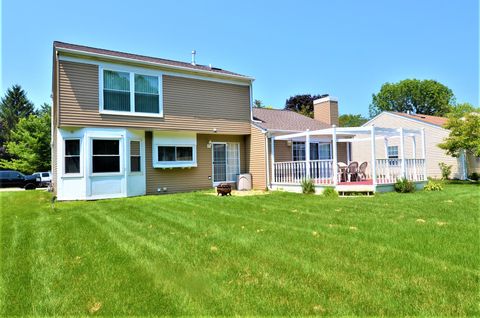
188	104
188	179
283	152
433	136
342	152
257	158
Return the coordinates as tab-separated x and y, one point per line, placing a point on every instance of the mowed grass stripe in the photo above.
153	255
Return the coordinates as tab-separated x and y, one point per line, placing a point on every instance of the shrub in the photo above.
404	186
446	170
330	193
474	176
307	186
433	186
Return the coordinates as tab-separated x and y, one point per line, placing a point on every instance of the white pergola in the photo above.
361	134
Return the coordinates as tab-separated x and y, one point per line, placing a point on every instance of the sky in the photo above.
347	49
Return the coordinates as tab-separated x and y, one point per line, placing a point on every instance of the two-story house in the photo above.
126	124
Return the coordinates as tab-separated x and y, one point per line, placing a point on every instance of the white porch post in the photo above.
349	158
307	155
414	156
268	182
374	163
335	158
272	159
402	152
424	152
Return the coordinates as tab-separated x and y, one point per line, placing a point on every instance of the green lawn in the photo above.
275	254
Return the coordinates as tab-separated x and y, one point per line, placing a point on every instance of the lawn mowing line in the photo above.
159	277
286	262
376	245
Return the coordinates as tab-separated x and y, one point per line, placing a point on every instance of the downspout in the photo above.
267	161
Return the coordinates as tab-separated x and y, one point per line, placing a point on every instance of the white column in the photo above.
385	141
414	147
374	163
349	158
268	183
424	152
335	158
272	158
307	154
402	152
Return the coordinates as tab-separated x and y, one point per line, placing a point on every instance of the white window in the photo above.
135	157
298	151
130	93
175	153
392	152
72	156
325	150
105	155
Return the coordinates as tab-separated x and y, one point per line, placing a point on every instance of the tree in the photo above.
13	106
464	125
258	104
29	146
351	120
427	97
302	104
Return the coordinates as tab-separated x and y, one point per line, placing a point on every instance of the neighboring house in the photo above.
126	124
435	134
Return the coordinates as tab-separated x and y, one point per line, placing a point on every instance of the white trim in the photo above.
131	72
81	160
176	163
121	161
403	117
247	81
325	99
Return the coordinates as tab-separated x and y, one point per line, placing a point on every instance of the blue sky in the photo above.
344	48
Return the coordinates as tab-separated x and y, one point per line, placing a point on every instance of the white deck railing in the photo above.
321	171
293	172
390	170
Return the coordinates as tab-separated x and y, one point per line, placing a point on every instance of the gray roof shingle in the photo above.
277	119
143	58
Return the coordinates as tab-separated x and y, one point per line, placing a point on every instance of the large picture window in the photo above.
72	156
175	153
105	156
129	92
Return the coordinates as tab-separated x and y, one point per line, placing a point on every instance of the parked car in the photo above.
10	178
45	178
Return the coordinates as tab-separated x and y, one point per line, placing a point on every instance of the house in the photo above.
435	134
126	124
290	148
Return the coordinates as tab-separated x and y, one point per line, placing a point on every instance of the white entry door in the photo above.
225	162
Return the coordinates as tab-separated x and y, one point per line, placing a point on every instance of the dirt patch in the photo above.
237	193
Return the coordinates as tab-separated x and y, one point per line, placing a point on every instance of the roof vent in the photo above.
193	57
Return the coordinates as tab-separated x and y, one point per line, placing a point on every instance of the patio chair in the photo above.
342	171
362	171
353	171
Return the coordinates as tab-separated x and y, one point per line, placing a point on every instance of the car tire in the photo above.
30	186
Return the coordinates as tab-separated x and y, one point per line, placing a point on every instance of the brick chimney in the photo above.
325	109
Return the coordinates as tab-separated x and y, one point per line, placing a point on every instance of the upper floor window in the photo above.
131	93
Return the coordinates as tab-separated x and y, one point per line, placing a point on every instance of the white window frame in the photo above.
76	174
174	164
120	155
389	156
226	160
131	72
142	168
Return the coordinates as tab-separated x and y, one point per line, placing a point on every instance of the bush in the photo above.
446	170
307	186
474	176
404	186
330	193
433	186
